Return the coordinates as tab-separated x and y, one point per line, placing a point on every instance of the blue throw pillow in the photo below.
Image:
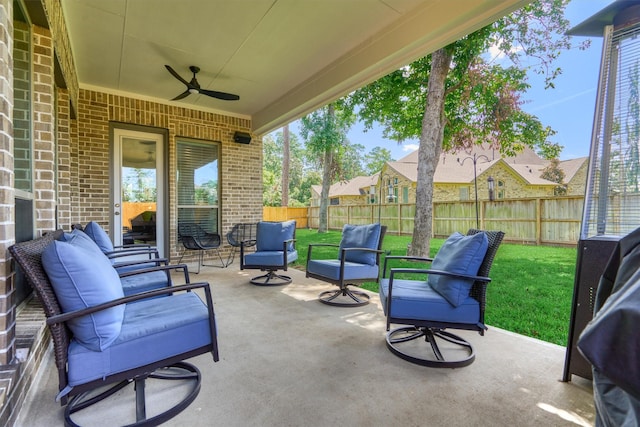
459	254
97	233
82	279
360	236
271	235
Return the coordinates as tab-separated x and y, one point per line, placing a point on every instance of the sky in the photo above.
568	108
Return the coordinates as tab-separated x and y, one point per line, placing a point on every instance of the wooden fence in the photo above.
554	221
270	213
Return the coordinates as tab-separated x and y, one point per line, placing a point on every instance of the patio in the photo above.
288	360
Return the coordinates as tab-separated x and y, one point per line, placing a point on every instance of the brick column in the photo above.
43	131
7	220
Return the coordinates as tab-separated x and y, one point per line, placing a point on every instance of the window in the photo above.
198	184
334	201
405	194
464	193
501	190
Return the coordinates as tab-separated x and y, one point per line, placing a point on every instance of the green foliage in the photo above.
300	178
376	159
483	94
531	287
554	173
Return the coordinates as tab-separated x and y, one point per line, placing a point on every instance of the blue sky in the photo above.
568	108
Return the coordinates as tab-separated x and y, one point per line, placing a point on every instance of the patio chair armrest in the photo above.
395	271
402	257
133	251
156	261
65	317
133	245
166	268
313	245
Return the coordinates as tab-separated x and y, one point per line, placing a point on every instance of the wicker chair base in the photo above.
351	298
397	337
178	371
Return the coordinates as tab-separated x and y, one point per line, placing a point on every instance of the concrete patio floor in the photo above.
288	360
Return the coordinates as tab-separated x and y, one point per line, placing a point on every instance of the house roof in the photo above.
284	58
457	167
349	188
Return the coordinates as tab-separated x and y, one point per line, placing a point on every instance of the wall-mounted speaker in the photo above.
242	137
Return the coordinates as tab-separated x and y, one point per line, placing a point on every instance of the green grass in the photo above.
530	292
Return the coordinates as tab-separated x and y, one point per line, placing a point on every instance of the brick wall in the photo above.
240	164
43	131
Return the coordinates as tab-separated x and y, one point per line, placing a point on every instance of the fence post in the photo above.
538	221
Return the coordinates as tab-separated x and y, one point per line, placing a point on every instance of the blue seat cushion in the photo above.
270	236
459	254
360	236
82	279
97	233
151	330
415	299
331	268
270	258
144	282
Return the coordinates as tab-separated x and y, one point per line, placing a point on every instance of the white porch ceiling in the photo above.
285	58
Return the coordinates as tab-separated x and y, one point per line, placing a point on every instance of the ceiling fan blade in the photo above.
176	75
220	95
182	95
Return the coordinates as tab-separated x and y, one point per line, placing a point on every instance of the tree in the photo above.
285	165
301	178
325	132
375	159
554	173
457	97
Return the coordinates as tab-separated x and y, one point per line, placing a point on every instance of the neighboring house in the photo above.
353	192
513	177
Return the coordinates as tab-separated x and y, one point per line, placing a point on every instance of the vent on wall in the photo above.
242	137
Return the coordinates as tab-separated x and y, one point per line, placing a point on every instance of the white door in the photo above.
138	189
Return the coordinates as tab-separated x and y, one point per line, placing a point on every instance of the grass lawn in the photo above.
530	292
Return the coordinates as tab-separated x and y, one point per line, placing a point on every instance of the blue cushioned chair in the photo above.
120	256
358	261
135	276
102	341
275	248
451	296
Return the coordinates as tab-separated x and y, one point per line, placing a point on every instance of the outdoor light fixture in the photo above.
475	159
390	195
490	182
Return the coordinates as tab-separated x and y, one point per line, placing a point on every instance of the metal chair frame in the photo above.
431	331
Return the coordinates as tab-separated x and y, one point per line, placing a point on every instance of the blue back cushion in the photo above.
360	236
459	254
82	279
81	239
97	233
271	235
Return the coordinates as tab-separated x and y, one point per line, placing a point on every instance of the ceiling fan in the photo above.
193	87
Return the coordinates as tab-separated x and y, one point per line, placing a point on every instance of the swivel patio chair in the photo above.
135	275
242	232
358	261
275	249
103	341
452	296
119	255
196	238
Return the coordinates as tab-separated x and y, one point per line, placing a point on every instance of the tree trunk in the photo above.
324	194
433	123
285	166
